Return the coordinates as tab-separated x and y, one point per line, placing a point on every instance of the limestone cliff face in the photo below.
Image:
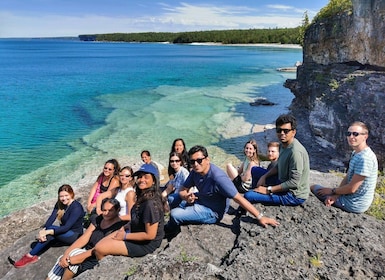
342	80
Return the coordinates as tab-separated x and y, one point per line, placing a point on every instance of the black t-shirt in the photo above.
147	212
100	233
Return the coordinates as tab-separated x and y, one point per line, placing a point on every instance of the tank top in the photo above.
121	197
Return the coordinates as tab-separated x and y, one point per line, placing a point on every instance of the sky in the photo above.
57	18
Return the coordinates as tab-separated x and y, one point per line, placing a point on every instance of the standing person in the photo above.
209	204
147	220
146	158
179	146
69	213
79	257
125	194
293	170
356	191
257	171
177	179
241	176
106	180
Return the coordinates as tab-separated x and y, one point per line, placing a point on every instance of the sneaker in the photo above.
25	260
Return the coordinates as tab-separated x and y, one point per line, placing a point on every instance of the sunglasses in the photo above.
355	134
123	175
198	160
109	169
172	161
285	130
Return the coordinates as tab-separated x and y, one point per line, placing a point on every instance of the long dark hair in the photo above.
183	156
171	171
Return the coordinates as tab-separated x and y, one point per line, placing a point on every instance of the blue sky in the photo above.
48	18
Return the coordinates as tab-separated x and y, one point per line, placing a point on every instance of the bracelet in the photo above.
260	216
125	235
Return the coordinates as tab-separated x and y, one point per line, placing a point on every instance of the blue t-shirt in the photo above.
214	189
365	164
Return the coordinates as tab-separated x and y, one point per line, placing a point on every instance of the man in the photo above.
210	202
293	170
356	191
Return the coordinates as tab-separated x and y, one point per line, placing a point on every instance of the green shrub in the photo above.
334	7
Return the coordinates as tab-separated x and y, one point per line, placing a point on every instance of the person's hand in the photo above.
90	207
42	236
119	234
264	221
261	189
329	201
325	191
191	197
63	261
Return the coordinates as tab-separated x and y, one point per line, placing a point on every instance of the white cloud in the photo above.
185	17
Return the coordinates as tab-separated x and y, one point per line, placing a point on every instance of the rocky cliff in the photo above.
341	80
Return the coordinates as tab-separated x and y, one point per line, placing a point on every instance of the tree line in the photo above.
239	36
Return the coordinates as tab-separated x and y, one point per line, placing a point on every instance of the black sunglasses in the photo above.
177	160
285	130
355	134
198	160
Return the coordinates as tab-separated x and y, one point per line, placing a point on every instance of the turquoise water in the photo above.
69	106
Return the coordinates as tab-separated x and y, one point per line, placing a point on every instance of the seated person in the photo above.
174	185
146	230
257	171
241	176
125	194
70	213
356	191
293	169
211	201
146	158
106	180
78	257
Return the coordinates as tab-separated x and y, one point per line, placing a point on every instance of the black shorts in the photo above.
238	183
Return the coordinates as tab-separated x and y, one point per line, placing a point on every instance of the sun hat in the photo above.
147	168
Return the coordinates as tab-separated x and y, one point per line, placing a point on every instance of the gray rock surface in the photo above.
311	242
341	80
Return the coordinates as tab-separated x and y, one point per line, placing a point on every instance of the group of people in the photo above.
127	208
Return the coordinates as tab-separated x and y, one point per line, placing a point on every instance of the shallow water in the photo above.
69	106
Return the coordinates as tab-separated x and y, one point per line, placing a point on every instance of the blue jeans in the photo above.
192	214
287	198
174	200
68	238
337	204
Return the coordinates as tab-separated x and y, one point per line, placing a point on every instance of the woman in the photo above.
125	194
241	177
69	213
179	147
147	220
177	178
78	257
107	180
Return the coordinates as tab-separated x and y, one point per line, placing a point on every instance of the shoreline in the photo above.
277	45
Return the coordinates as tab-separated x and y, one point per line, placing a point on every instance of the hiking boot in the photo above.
25	260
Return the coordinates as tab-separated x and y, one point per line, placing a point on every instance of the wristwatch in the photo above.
269	189
334	191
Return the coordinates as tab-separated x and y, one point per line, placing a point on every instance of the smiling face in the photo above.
179	147
175	163
357	142
65	197
108	211
249	150
144	180
108	169
125	177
